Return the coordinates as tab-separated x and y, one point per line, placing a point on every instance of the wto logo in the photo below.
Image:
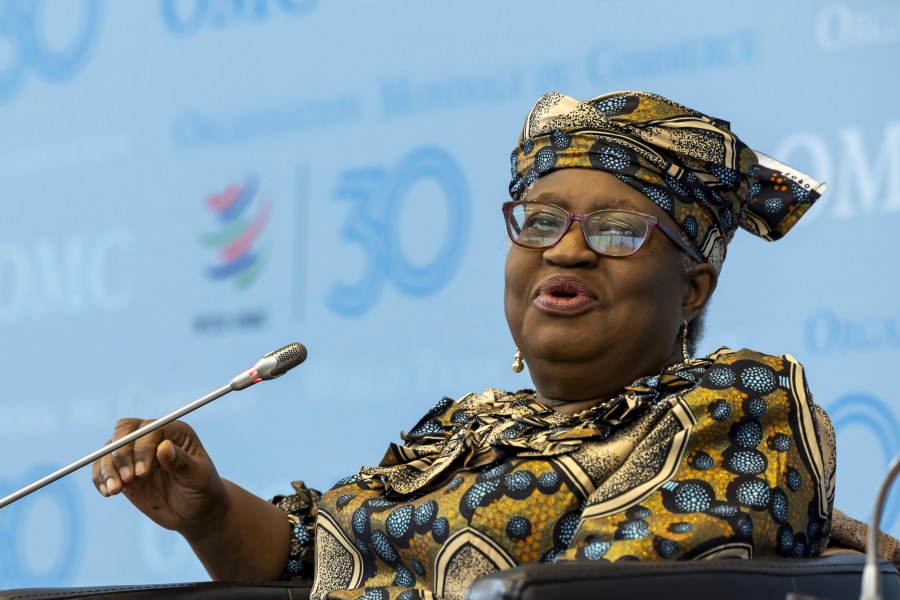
30	38
242	222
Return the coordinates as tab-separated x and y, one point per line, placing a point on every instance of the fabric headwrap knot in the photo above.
690	164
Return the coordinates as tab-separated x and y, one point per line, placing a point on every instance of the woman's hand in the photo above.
167	475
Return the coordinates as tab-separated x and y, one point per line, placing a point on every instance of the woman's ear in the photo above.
701	283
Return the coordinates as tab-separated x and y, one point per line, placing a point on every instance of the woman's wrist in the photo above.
247	539
213	522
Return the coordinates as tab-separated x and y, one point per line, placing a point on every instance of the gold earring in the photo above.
518	364
684	350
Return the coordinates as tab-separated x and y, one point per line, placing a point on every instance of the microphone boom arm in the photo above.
272	365
116	445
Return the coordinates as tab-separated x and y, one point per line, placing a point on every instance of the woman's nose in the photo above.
572	250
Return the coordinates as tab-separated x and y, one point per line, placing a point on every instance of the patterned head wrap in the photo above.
687	163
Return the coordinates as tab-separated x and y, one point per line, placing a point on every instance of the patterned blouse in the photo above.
724	456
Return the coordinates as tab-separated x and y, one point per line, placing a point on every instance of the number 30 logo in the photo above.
377	197
24	38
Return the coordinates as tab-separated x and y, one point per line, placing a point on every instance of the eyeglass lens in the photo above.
613	233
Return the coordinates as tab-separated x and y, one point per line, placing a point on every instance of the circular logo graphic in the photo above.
40	534
864	410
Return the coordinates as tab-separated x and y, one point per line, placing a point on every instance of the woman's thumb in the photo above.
172	458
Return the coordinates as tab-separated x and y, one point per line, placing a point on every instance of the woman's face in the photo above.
588	325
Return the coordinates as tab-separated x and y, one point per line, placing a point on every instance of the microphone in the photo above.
272	365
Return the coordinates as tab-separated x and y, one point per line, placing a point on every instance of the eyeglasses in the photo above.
607	232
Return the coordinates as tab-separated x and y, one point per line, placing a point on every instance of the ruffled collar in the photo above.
636	398
480	429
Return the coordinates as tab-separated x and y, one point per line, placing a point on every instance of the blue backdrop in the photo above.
188	184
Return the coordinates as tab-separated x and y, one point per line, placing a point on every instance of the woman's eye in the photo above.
543	222
619	230
617	237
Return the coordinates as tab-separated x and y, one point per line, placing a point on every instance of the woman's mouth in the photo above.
564	296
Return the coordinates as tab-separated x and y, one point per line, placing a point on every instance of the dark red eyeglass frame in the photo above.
652	222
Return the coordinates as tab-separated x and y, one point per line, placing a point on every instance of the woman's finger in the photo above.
110	475
123	458
109	471
97	477
145	451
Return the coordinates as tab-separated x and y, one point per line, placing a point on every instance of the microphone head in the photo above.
287	358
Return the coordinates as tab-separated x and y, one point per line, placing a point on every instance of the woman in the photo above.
627	449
